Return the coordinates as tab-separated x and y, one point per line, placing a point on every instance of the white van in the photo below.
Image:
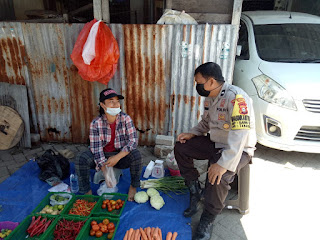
279	67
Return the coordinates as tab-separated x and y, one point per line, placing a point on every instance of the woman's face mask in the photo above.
113	111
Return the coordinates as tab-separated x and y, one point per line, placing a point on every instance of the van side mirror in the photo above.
239	48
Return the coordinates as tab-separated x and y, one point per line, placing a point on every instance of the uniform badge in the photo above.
222	116
223	101
226	126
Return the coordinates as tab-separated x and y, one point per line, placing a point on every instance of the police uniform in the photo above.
229	120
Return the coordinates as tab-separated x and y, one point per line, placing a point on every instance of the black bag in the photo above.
54	167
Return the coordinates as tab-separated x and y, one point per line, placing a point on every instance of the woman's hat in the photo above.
109	93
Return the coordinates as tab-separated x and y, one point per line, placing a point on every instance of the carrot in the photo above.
126	236
169	236
143	234
130	233
160	233
152	232
174	236
134	235
149	233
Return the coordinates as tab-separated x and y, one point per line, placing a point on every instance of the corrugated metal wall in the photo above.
155	74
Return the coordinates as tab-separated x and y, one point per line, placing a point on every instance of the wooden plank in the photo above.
15	96
237	8
105	11
97	9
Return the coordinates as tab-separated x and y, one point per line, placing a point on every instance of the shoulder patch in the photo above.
240	118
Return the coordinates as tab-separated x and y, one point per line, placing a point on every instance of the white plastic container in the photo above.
158	170
149	169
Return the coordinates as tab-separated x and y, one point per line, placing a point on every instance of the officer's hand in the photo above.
183	137
215	172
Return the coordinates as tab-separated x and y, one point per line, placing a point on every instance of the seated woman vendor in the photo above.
113	142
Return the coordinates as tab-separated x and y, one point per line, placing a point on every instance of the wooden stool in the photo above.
242	203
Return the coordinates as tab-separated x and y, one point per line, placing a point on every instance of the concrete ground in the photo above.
284	193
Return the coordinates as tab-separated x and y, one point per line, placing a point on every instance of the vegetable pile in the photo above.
82	207
4	233
156	200
112	204
173	184
98	229
53	210
38	226
148	233
67	230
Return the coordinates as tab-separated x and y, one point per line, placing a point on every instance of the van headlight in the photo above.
272	92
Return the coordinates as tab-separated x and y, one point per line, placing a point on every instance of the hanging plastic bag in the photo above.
104	64
89	49
109	177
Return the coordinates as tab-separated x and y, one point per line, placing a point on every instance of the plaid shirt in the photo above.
100	135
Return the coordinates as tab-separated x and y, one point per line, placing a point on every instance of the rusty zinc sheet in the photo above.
192	46
155	74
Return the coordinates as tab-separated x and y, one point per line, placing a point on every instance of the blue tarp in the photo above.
23	191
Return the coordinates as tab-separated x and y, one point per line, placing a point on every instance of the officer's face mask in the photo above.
201	91
113	111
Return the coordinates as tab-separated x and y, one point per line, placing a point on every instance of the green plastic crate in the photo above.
46	201
89	198
85	231
99	211
20	232
49	235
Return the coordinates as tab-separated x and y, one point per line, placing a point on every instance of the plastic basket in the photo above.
89	198
20	232
8	225
46	201
99	211
49	235
85	232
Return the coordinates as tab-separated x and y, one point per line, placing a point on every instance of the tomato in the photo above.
104	229
105	221
94	223
103	206
99	234
113	206
104	202
110	235
111	230
101	224
119	201
117	207
110	225
92	232
95	227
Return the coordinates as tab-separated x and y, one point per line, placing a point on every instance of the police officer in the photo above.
225	136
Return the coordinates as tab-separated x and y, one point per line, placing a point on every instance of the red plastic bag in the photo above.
104	65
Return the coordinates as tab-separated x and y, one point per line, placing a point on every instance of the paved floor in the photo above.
284	193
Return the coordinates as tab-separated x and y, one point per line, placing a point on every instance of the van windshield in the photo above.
288	42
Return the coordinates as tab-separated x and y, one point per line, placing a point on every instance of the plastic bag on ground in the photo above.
104	64
105	189
176	17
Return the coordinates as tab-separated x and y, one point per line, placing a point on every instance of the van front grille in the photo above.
308	133
312	105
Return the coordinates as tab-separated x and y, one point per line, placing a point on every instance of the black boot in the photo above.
204	229
195	196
